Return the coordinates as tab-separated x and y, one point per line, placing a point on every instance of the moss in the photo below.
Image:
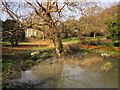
8	64
39	61
29	62
26	55
106	67
116	43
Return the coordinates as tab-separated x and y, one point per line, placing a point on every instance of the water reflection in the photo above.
77	77
27	76
67	76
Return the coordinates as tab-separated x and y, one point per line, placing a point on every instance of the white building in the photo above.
34	33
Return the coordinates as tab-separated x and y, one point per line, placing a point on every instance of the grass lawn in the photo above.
70	40
40	47
21	43
67	40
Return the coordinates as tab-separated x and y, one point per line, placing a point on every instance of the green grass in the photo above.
111	52
68	40
64	41
5	43
71	40
8	64
38	48
98	37
21	43
24	43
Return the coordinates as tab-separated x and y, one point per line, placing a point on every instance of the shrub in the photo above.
25	55
116	44
106	67
38	61
28	62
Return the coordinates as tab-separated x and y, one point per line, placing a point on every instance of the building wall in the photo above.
34	33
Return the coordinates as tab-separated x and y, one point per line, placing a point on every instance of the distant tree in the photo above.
98	23
11	31
93	24
114	27
71	27
111	18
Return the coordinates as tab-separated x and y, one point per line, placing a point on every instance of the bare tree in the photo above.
49	14
44	11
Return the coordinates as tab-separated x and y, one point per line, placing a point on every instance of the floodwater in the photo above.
66	76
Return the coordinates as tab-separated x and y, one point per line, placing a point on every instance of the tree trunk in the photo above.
58	44
12	40
81	38
16	44
12	43
94	35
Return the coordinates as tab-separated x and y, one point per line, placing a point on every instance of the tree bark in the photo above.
12	43
12	40
16	44
94	35
58	44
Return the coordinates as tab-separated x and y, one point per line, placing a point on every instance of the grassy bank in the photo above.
14	62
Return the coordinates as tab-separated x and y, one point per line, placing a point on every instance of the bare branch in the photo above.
11	13
32	7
